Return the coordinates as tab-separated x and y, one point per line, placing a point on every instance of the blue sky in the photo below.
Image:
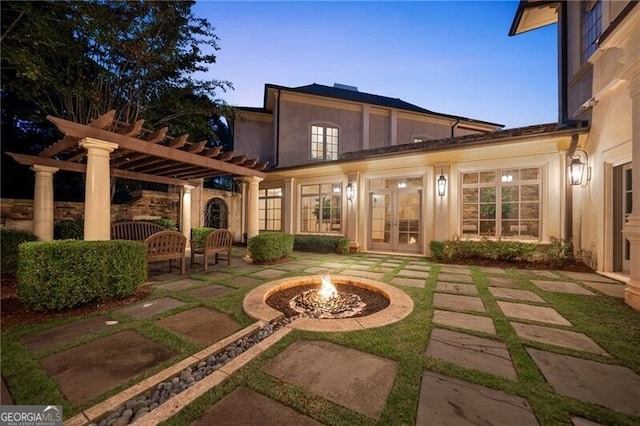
451	57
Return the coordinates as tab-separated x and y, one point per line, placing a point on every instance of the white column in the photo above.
288	206
243	205
632	228
97	199
185	217
352	215
252	205
43	202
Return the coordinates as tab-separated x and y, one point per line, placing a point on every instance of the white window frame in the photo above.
321	141
267	209
498	185
332	225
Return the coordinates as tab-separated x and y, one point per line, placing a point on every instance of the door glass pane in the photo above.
408	218
379	223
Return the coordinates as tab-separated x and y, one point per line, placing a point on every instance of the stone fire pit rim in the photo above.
400	304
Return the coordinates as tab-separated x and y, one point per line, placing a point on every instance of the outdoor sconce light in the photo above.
442	184
351	191
577	168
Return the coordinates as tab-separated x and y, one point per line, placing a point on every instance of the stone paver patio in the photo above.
86	358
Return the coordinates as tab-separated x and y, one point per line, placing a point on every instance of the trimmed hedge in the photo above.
64	274
198	235
10	239
270	247
166	223
490	249
321	244
69	230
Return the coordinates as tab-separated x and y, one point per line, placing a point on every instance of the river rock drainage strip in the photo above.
161	396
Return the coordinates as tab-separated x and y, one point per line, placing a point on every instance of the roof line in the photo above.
268	86
524	4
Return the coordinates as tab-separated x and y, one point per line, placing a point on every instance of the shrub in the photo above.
437	250
166	223
64	274
457	249
321	244
69	230
558	253
198	235
342	247
270	247
10	240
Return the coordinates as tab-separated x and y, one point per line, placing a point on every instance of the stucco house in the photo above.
599	83
392	176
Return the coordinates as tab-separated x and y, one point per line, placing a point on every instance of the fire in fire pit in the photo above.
327	302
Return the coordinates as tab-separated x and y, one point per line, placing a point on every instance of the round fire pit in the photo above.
359	303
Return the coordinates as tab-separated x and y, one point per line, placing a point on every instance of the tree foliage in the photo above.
78	60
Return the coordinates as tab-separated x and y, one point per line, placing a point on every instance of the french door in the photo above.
395	220
622	202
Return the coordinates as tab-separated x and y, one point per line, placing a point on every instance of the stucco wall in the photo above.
408	129
233	200
379	130
295	126
253	136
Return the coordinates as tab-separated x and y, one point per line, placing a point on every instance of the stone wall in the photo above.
18	214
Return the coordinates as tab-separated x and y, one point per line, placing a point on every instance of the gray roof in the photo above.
367	98
468	140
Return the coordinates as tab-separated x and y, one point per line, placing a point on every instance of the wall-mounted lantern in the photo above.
351	191
442	184
578	166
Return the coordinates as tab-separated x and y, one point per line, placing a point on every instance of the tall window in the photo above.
324	143
591	27
320	208
270	209
501	203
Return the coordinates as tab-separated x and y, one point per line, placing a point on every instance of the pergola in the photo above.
106	147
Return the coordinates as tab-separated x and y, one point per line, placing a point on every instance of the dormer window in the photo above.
324	142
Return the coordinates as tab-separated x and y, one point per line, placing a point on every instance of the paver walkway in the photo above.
88	358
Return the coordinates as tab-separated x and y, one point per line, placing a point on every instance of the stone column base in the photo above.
632	294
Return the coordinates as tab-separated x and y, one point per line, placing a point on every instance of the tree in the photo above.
74	60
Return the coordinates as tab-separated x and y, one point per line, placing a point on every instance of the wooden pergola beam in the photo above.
57	147
30	160
126	142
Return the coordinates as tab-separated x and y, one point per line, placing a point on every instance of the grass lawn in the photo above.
608	321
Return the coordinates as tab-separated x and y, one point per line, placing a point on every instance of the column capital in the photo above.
88	143
188	188
38	168
252	179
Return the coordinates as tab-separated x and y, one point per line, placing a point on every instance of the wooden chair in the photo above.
167	245
219	241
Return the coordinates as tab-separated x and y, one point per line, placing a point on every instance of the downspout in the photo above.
563	115
454	126
277	141
568	193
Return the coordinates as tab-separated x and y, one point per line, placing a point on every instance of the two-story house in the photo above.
599	82
392	176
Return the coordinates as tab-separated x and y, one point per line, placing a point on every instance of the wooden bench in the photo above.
134	230
161	243
219	241
167	245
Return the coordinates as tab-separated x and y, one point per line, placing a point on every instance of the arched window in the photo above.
216	214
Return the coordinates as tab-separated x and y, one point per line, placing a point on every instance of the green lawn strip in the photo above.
608	321
231	303
26	379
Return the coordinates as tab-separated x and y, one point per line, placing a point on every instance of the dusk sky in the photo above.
450	57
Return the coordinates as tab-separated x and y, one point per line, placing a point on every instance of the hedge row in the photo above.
557	253
64	274
321	244
10	239
270	246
